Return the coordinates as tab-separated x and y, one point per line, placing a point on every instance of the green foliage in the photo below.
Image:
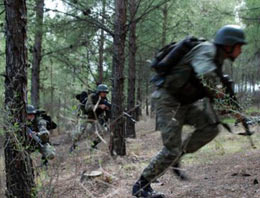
71	39
229	120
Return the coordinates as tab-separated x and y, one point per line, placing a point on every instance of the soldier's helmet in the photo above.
30	109
230	35
102	88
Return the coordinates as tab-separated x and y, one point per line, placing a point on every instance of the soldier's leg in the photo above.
100	132
206	125
170	121
47	151
76	136
44	162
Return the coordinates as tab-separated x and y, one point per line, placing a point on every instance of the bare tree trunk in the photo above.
37	50
18	164
146	96
165	22
58	115
117	144
101	45
52	91
130	126
139	92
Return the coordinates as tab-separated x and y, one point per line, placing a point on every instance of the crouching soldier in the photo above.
187	78
37	129
94	118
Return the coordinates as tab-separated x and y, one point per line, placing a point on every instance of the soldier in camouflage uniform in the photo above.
95	117
175	100
36	125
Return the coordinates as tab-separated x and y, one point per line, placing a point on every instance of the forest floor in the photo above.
226	168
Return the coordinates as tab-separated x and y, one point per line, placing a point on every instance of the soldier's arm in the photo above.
204	66
42	124
89	106
43	132
202	60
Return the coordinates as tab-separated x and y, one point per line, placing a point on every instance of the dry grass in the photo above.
66	176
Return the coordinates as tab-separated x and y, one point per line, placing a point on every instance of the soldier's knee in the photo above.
212	130
172	152
171	135
48	151
167	122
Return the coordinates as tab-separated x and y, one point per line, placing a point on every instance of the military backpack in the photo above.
169	56
82	98
50	123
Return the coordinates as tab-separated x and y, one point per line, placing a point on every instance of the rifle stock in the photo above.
34	136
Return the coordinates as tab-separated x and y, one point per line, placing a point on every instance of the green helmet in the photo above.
102	88
30	109
230	35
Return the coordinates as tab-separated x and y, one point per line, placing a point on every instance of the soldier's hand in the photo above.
239	117
32	133
102	106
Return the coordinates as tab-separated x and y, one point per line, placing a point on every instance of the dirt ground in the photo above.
226	168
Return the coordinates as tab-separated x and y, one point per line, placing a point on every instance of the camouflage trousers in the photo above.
171	117
45	148
90	128
47	151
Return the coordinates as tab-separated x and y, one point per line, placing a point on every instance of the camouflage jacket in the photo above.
189	80
93	100
39	126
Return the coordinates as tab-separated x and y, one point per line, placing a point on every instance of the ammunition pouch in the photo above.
189	94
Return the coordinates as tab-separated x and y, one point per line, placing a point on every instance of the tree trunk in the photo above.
51	108
130	126
165	22
18	164
139	92
117	144
146	96
101	45
37	50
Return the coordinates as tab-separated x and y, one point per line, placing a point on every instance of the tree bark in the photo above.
101	45
117	143
139	91
165	22
18	164
146	96
130	126
52	89
37	55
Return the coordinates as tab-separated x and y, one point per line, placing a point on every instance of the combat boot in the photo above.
44	162
143	189
179	173
95	143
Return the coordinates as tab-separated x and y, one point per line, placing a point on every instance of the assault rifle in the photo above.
129	116
228	85
33	135
105	102
253	120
